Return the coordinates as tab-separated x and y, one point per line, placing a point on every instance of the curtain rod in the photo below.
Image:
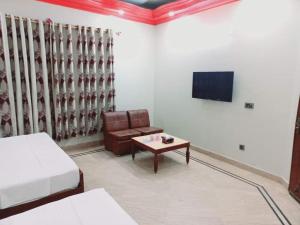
55	24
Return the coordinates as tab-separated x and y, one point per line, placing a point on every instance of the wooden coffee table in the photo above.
154	144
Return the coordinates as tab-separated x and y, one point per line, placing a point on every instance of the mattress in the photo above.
95	207
32	167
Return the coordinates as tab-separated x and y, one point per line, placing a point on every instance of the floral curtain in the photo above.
54	78
109	71
24	101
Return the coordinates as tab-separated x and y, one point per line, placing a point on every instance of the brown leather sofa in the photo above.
139	120
120	127
117	134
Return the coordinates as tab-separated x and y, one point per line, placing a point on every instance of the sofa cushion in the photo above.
124	134
138	118
149	130
115	121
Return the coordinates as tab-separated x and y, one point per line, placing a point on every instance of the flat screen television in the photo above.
213	85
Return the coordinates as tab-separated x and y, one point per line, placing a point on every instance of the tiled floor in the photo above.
207	191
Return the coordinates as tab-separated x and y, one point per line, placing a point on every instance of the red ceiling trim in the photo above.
139	14
185	7
108	7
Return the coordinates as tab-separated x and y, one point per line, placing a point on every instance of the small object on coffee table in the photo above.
167	139
157	147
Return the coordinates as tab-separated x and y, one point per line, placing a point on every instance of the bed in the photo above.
34	171
94	207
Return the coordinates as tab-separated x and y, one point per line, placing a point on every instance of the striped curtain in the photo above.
54	78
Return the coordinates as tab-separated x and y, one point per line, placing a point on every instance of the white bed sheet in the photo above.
95	207
32	167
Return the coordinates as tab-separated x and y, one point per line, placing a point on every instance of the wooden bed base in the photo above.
50	198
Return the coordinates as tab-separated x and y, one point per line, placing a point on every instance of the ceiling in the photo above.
152	12
149	4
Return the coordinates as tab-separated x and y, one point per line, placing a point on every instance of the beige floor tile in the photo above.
193	194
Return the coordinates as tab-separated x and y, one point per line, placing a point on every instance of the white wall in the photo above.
134	50
259	40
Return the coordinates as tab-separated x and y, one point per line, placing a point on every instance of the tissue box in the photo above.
167	139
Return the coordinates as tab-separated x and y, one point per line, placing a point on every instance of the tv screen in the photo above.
213	85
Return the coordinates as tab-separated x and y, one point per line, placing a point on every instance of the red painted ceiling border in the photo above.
184	8
108	7
138	14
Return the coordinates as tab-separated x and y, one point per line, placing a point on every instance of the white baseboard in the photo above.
241	165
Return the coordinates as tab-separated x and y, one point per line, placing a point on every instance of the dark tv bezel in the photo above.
211	98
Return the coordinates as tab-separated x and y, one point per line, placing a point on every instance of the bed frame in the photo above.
50	198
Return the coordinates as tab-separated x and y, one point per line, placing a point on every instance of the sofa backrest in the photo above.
115	121
138	118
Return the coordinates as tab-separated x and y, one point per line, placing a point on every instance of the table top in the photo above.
154	142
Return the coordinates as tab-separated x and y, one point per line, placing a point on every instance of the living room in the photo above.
241	151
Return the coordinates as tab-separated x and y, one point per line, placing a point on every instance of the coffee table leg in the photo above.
187	155
132	151
155	163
